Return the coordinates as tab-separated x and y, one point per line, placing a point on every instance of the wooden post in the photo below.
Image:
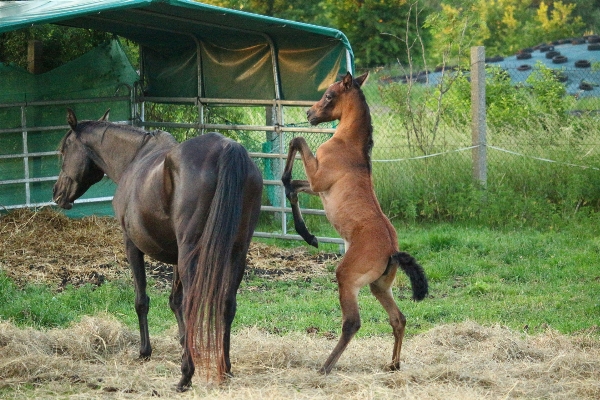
478	118
34	57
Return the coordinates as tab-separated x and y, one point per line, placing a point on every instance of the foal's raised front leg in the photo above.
292	187
142	301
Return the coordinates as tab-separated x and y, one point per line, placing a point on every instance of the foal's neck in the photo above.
355	126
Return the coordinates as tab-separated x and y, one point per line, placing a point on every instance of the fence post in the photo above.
478	123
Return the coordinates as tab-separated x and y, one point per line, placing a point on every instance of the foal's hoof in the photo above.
313	241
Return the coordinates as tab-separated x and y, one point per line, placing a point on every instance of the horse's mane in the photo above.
143	134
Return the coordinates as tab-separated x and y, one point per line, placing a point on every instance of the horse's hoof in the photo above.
182	389
144	358
395	366
323	371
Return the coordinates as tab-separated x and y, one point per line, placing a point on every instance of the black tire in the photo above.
594	46
494	59
552	54
586	86
593	39
559	59
524	67
582	64
523	56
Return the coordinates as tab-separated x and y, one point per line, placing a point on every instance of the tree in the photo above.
372	26
60	44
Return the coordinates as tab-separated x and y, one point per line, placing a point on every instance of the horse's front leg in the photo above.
292	187
142	301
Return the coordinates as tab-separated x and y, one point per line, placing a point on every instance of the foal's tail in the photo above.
416	274
212	273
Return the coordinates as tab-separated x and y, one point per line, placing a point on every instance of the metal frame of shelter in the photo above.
197	33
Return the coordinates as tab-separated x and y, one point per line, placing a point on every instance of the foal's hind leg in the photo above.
350	324
351	277
382	290
142	301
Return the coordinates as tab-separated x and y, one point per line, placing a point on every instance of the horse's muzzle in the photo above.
60	197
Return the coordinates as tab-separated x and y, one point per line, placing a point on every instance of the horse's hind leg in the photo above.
142	301
176	303
382	290
187	368
178	291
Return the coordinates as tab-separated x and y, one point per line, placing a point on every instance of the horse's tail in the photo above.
212	274
415	273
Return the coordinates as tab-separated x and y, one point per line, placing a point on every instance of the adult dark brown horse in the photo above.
193	204
340	174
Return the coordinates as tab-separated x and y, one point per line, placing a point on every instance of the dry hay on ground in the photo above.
97	358
47	247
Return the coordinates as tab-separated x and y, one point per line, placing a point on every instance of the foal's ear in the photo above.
362	79
71	119
105	116
347	81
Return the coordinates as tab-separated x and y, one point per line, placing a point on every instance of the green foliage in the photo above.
60	44
379	31
509	106
548	91
503	26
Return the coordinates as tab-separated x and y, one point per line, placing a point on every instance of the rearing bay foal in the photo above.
340	174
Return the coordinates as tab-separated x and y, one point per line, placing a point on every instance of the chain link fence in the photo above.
542	145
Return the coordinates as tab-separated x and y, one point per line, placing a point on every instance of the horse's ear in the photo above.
362	79
347	81
71	119
105	116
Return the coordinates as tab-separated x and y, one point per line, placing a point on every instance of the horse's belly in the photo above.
157	245
151	234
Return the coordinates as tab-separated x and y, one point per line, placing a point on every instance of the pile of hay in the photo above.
97	358
45	246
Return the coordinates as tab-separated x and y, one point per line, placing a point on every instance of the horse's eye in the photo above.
328	97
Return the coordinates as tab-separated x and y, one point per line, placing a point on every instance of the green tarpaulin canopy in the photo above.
190	49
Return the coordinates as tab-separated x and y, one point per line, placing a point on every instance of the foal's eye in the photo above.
328	97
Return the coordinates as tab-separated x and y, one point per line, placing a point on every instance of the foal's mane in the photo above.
368	143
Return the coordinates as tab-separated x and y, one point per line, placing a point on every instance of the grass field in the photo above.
525	279
512	313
